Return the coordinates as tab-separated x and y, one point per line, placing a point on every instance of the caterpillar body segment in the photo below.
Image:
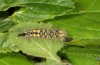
42	33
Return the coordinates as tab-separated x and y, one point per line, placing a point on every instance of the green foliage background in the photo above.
78	18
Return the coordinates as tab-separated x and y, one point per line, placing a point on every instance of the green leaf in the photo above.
14	59
83	27
82	56
37	10
5	4
40	47
91	10
5	46
5	25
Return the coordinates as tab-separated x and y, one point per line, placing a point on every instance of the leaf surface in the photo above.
37	10
5	46
83	27
82	56
40	47
14	59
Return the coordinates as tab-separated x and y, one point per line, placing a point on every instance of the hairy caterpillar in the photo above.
43	33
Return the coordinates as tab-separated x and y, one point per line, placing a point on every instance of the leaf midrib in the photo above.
52	57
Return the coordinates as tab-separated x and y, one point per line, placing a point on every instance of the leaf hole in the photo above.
12	10
39	59
9	12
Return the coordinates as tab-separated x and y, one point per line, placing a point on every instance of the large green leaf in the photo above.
82	56
41	47
83	27
5	4
37	10
14	59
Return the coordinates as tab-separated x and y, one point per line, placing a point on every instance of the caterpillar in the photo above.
42	33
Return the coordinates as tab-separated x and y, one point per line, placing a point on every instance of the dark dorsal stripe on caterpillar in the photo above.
42	33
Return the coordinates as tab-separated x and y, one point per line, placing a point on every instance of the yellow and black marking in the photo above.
42	33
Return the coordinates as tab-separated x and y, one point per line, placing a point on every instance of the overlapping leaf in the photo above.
83	56
5	46
41	47
83	27
6	25
37	10
14	59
